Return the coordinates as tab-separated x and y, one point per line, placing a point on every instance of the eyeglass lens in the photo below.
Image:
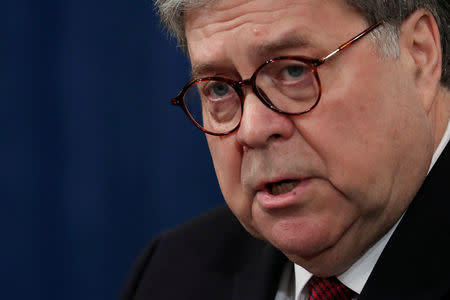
287	84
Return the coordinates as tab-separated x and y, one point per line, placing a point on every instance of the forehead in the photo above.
253	29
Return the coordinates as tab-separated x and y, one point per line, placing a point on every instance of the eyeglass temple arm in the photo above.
349	42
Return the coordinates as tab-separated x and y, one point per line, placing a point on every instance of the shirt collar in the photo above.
441	146
356	276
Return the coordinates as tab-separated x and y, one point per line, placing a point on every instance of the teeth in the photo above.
282	186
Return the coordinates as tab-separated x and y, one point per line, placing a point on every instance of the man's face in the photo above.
323	186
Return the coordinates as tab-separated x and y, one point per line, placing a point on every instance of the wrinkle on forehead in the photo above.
226	15
227	35
211	28
260	49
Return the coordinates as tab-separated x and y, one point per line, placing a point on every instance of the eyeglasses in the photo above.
289	85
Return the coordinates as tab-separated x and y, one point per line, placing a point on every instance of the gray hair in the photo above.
392	12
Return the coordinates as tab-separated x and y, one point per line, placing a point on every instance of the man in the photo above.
333	159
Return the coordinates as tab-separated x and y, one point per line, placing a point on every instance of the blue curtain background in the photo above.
94	161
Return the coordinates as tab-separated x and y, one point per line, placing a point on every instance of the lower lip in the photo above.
270	202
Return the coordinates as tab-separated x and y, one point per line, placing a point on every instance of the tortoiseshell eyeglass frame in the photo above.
313	63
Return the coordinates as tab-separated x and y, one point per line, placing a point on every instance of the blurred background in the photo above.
94	161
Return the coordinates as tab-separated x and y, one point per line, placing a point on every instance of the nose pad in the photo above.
247	83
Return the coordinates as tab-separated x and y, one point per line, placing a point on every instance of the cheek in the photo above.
366	130
227	158
352	131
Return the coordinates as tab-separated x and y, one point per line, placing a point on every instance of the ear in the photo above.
421	42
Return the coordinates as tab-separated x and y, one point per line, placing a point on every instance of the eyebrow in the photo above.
201	70
264	49
287	41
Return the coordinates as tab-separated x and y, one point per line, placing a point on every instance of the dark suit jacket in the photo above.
213	257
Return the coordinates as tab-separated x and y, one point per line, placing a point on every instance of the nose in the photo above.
261	125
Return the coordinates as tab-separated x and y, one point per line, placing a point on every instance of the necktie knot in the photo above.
328	289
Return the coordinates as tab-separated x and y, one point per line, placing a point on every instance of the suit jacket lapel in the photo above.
415	263
260	277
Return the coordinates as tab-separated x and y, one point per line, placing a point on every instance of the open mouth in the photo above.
282	187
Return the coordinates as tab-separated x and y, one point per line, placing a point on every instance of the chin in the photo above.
301	239
324	249
300	247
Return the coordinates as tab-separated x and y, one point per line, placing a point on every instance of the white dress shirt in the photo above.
294	278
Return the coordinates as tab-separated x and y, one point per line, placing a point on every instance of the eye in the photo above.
293	72
218	90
